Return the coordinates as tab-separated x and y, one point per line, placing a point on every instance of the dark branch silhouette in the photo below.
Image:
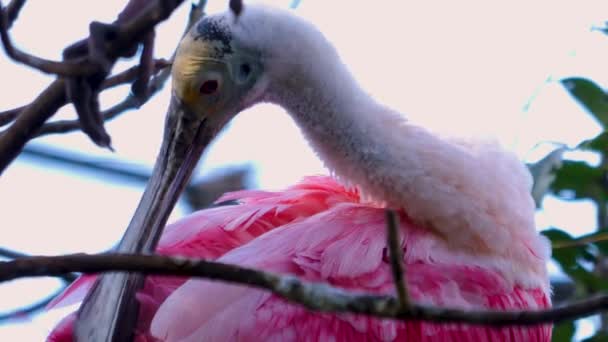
116	41
314	296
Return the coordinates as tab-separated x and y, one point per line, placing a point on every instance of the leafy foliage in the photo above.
577	180
590	96
580	179
563	332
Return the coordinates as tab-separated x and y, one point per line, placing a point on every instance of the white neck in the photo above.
474	195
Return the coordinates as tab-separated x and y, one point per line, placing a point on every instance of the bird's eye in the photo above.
245	70
209	87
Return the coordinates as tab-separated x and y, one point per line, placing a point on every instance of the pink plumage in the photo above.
319	231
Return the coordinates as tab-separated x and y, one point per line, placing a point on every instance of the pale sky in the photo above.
465	66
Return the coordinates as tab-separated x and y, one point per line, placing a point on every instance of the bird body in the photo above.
320	231
466	214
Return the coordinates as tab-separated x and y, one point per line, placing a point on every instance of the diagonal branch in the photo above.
10	115
314	296
581	241
29	121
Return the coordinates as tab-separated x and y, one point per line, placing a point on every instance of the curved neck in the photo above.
474	195
339	119
346	127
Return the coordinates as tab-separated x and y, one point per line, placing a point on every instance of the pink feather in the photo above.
211	233
319	231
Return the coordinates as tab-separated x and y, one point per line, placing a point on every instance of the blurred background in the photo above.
529	74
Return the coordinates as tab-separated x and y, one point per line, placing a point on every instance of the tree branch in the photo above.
130	102
11	254
581	241
68	278
314	296
124	77
77	68
29	122
30	309
51	99
12	11
396	257
10	115
131	74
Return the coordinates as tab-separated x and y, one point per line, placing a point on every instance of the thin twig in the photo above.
29	122
11	254
80	67
51	99
10	115
66	126
30	309
12	11
396	256
581	241
130	102
130	74
124	77
314	296
146	68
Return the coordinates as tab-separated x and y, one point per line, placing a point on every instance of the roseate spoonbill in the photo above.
467	226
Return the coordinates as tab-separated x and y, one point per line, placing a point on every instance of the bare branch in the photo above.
130	74
8	253
30	309
121	78
66	126
68	278
581	241
130	102
314	296
12	11
396	257
47	66
146	68
51	99
10	115
20	313
11	254
29	122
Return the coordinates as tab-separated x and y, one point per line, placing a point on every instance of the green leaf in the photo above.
570	258
590	96
580	178
557	235
563	332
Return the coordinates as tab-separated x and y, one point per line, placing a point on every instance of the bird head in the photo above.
215	76
216	73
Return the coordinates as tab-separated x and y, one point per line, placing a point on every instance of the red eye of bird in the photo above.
209	87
